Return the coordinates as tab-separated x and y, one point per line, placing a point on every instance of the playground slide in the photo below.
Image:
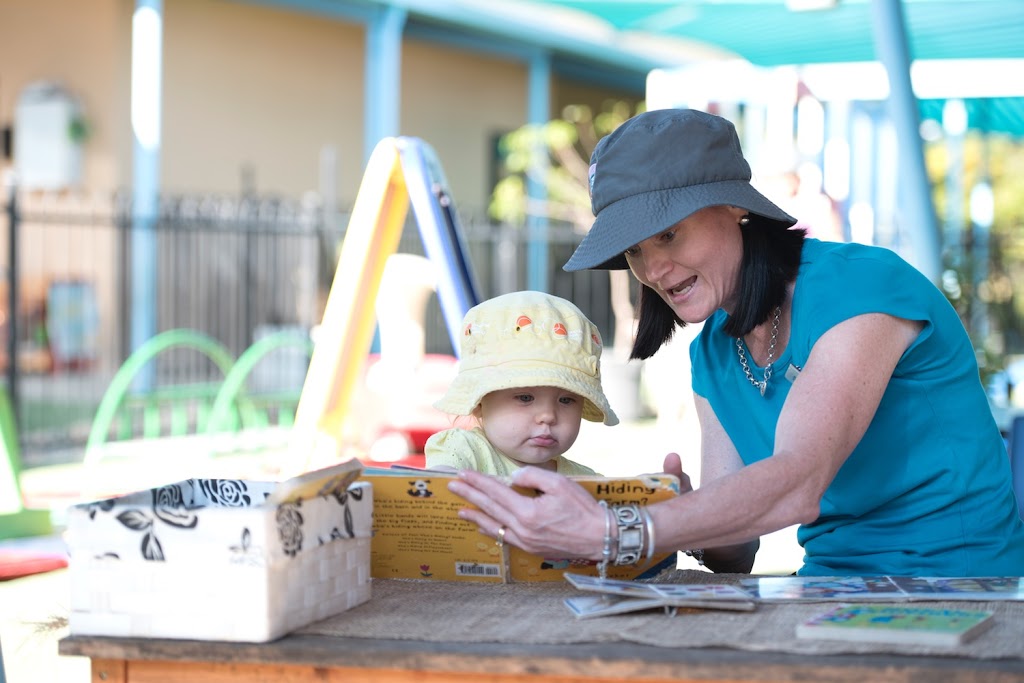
441	233
399	169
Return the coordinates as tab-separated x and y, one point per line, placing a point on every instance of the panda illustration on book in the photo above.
420	488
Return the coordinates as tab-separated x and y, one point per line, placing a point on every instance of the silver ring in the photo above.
500	542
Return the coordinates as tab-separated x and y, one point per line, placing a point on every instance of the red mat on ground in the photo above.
17	563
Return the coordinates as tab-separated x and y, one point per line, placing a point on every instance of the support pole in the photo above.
539	111
383	77
146	91
920	220
12	295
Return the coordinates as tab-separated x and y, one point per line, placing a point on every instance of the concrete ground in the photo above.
33	610
33	615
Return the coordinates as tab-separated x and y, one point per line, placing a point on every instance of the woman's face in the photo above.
694	265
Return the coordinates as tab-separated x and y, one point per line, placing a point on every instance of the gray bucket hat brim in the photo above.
657	169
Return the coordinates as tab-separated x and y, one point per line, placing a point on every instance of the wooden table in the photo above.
355	660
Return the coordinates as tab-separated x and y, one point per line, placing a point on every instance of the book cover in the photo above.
599	605
897	624
961	588
882	588
823	588
707	596
417	533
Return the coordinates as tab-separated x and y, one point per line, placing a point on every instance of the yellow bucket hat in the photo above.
528	339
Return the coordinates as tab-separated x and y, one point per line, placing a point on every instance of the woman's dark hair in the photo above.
771	258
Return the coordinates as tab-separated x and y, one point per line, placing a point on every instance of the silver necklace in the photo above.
763	384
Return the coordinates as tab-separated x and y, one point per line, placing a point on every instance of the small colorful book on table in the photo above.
857	589
897	624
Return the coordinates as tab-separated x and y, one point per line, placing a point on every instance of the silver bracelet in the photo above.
649	530
606	550
697	554
631	534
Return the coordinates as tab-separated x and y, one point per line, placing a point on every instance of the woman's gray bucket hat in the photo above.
656	169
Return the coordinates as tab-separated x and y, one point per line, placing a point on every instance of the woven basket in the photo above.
216	559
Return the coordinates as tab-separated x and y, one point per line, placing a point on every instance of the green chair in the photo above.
16	521
237	406
170	410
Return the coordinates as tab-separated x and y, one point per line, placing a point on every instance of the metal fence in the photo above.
232	268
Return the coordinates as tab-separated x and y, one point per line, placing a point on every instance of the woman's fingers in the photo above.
490	527
674	465
488	493
493	503
551	520
538	479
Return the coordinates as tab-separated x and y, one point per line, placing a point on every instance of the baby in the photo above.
529	372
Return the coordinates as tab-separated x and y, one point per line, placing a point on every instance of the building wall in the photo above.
459	103
252	96
83	46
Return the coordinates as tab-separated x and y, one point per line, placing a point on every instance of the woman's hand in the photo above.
674	465
563	520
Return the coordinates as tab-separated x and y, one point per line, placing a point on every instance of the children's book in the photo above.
897	624
417	533
955	588
882	588
823	588
613	596
595	605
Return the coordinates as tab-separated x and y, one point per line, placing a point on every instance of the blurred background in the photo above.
193	164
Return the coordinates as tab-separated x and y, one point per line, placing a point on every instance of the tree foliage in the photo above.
555	156
985	276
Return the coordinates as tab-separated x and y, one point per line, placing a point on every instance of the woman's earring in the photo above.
745	221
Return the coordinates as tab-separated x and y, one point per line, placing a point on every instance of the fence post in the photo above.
12	297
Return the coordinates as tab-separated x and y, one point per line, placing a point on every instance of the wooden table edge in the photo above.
620	660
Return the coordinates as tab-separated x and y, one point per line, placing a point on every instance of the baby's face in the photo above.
532	425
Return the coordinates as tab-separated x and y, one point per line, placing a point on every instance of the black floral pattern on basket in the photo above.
226	492
245	552
289	527
342	497
101	506
168	507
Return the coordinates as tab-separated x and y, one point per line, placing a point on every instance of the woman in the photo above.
835	386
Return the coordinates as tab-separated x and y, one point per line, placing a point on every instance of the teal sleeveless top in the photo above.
927	491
